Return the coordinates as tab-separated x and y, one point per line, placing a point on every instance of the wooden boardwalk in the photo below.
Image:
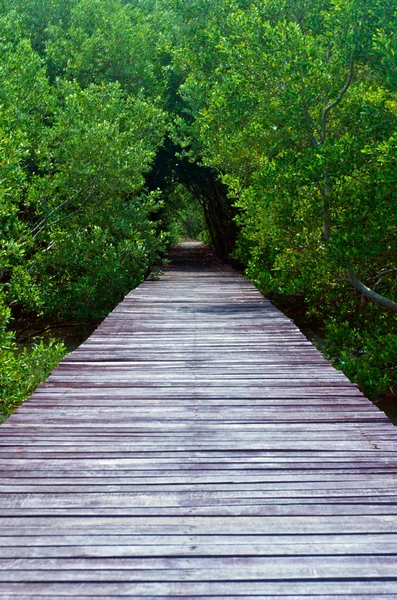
198	446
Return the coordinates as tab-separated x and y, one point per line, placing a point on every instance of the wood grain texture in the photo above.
198	446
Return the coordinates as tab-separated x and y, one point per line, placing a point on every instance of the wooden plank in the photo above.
201	596
197	569
296	525
372	588
165	546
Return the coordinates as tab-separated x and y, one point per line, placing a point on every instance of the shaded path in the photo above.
197	446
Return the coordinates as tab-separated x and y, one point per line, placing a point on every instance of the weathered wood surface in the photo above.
198	446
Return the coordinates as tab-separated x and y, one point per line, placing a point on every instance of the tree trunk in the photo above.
326	213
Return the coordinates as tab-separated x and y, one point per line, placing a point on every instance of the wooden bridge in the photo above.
198	446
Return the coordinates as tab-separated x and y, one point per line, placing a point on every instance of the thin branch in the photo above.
332	105
316	141
384	272
366	291
37	332
39	227
379	276
77	209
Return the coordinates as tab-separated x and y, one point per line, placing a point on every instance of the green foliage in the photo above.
80	125
105	42
369	358
96	227
187	216
79	228
22	370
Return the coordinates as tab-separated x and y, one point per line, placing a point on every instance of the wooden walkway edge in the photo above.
198	446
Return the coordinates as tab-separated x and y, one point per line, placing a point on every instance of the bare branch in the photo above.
332	105
39	227
384	272
326	206
74	212
316	140
379	276
366	291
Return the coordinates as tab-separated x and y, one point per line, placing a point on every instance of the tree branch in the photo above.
384	272
368	293
40	226
72	213
316	140
332	105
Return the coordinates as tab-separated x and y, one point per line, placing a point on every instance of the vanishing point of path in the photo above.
197	446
